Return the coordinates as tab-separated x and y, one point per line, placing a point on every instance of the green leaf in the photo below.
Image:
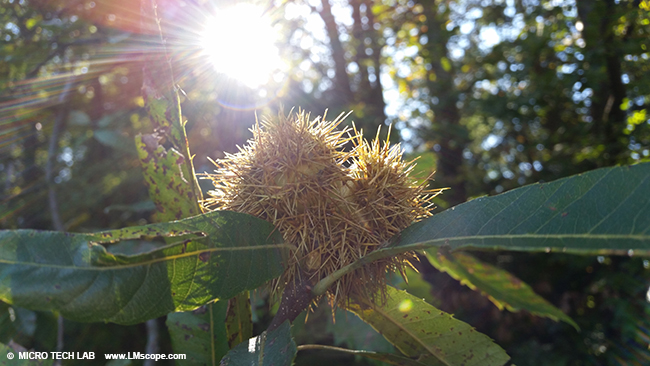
604	211
431	336
347	329
199	334
163	105
75	274
169	179
239	322
270	348
501	287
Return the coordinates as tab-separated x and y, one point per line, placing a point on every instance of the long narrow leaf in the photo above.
73	273
605	211
501	287
431	336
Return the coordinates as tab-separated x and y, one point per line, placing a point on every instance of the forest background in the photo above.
490	94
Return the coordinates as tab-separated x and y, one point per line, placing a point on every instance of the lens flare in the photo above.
240	42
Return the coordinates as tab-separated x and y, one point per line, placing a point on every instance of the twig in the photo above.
152	340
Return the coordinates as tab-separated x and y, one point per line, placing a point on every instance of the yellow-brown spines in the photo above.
333	206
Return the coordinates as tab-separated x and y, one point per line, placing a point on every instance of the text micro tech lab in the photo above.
56	355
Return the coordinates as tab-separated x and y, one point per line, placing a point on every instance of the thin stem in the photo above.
322	286
59	338
305	347
57	223
59	120
152	340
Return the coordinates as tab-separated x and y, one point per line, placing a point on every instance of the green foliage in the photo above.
580	214
239	324
605	211
501	287
273	347
198	335
77	276
563	92
165	172
422	332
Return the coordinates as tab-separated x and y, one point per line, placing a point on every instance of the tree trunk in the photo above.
448	136
341	78
602	50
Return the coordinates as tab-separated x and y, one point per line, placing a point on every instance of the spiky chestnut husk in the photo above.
334	206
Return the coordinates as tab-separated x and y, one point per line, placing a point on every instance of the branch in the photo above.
296	297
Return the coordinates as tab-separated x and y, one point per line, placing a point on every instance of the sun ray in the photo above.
240	42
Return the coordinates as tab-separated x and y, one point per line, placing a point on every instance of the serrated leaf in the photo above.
169	179
199	334
163	105
501	287
76	275
422	332
605	211
273	348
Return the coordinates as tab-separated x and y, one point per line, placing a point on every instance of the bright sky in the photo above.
240	42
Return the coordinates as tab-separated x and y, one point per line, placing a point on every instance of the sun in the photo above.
240	42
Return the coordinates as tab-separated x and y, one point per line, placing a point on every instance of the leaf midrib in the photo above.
148	262
640	237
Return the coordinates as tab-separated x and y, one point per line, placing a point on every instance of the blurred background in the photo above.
490	94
